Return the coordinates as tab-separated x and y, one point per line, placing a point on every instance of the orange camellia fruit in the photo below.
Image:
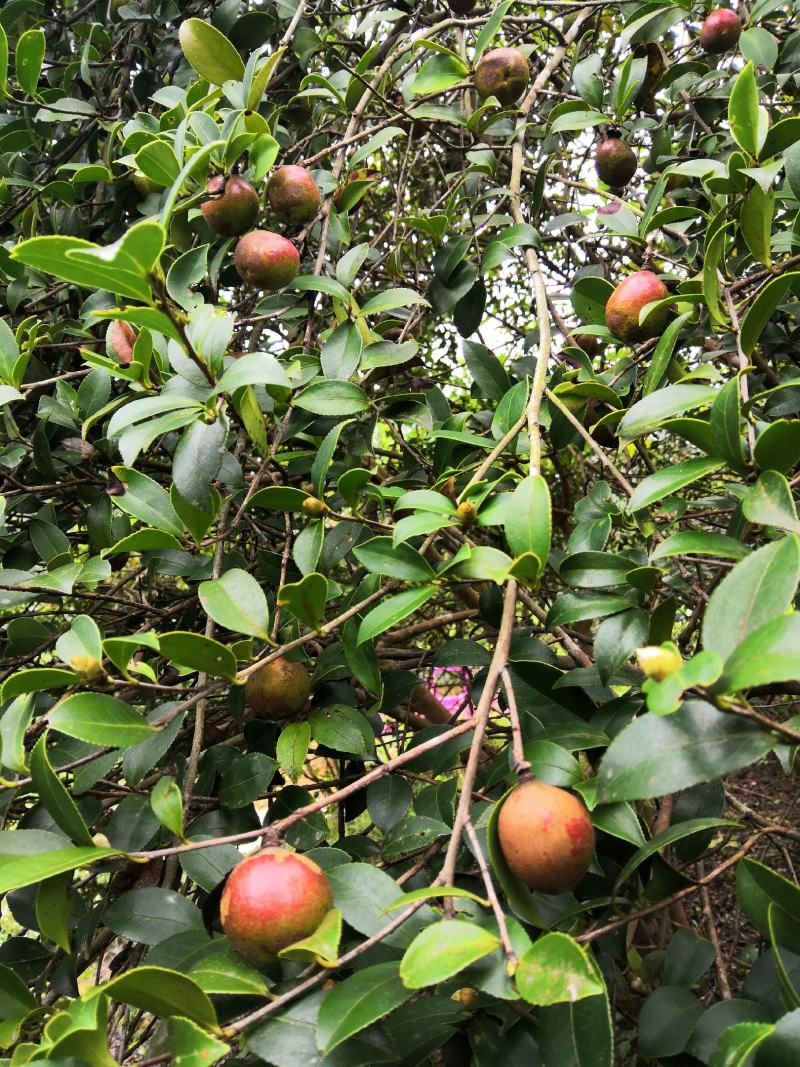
626	302
503	73
720	32
271	900
293	195
266	260
234	207
278	690
546	836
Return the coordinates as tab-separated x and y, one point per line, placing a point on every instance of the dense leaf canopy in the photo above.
331	556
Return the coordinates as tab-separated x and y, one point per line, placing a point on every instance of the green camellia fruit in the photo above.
615	161
293	195
546	836
266	260
503	73
626	302
271	900
233	208
278	690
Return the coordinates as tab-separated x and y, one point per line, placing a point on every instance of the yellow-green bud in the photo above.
659	661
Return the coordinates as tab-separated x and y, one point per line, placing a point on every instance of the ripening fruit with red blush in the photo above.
120	339
293	195
271	900
503	73
233	208
615	161
546	836
626	302
721	31
266	260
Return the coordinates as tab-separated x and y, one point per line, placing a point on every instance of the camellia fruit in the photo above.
503	73
120	339
626	302
654	72
461	7
546	836
293	195
271	900
234	207
589	343
266	260
615	161
721	31
278	690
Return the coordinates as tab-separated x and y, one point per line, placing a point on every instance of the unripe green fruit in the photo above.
546	836
720	32
503	73
271	900
120	339
589	343
145	185
314	508
278	690
615	161
234	207
266	260
293	195
628	299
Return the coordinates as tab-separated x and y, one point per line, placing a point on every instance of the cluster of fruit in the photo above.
262	258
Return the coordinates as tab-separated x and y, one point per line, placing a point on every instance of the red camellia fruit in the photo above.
615	161
234	207
628	299
503	73
271	900
293	195
546	836
120	339
721	31
266	260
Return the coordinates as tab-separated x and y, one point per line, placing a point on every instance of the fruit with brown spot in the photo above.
615	161
278	690
503	73
271	900
266	260
293	195
627	301
233	207
720	32
546	836
120	339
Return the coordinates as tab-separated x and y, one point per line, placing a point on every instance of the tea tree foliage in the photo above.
393	444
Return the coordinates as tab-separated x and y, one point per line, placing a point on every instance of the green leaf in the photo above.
617	639
677	832
438	73
653	410
756	590
292	748
725	421
161	992
770	503
656	755
332	398
578	1034
31	870
529	517
380	556
663	353
760	311
357	1002
743	110
237	602
13	727
146	500
482	562
191	1046
320	947
60	805
578	607
261	79
29	55
306	599
99	719
36	680
199	653
444	949
158	162
393	610
53	907
769	654
167	804
279	498
668	481
735	1045
150	915
3	62
246	780
256	368
342	728
755	220
490	29
341	353
210	52
778	446
433	892
556	969
390	300
699	543
758	888
197	460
